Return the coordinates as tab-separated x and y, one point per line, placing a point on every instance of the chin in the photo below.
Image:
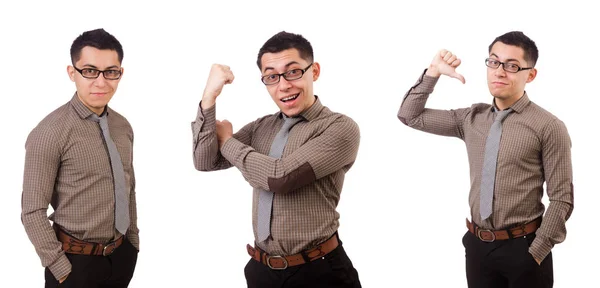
99	105
291	112
496	93
501	97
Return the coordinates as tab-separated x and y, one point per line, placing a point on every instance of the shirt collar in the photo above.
518	106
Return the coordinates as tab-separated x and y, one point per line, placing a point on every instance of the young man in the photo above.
79	160
295	160
514	146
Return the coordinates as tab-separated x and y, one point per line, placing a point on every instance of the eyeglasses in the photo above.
508	67
90	73
293	74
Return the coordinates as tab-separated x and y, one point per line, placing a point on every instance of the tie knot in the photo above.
102	120
289	122
97	118
500	115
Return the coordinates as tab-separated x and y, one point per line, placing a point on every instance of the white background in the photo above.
404	202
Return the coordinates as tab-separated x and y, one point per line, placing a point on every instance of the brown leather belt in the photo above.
283	262
75	246
491	236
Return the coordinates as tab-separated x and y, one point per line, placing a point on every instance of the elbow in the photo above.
201	163
202	167
30	216
406	119
409	119
198	166
402	118
297	178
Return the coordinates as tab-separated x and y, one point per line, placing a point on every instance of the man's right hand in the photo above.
61	280
218	77
445	63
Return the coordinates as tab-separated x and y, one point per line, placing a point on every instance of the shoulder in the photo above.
540	113
118	119
480	107
547	125
548	120
50	129
339	123
266	118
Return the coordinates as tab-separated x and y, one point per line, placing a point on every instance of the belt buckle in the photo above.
486	230
277	257
113	244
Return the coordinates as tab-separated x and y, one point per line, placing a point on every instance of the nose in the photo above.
500	71
100	81
284	84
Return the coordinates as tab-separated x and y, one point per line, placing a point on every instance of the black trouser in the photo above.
115	270
332	270
505	263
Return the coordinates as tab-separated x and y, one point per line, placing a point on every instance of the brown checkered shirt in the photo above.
67	165
307	180
535	148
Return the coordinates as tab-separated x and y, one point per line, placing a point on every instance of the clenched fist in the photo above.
445	63
224	131
218	77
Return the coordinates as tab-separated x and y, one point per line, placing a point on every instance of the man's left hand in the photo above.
224	131
536	260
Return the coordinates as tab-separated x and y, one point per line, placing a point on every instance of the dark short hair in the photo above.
517	38
99	39
284	41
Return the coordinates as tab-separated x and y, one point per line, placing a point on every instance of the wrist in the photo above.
61	280
207	102
432	71
224	140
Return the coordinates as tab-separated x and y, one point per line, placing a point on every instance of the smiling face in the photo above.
291	96
95	93
508	87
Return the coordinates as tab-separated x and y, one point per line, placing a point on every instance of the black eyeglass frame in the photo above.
99	72
284	75
519	68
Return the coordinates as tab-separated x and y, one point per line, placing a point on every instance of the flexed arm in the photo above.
413	112
205	144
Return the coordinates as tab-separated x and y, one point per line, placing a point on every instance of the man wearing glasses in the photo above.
295	160
514	146
79	160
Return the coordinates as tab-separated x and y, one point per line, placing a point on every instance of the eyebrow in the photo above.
507	60
286	66
94	67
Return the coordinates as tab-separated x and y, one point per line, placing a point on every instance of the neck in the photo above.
503	104
313	99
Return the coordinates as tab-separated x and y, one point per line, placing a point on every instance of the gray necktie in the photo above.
121	200
265	198
488	174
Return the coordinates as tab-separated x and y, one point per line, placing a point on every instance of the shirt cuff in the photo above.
427	83
61	267
540	248
207	116
134	239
